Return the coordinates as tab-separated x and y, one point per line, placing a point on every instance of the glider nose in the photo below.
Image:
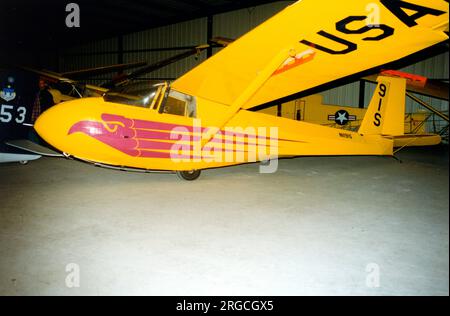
44	123
51	124
75	128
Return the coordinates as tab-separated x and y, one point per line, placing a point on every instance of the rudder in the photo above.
386	112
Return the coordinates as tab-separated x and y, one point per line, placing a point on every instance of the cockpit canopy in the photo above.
138	94
156	97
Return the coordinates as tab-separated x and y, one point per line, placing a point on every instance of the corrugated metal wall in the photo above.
152	46
190	33
232	25
237	23
435	68
97	54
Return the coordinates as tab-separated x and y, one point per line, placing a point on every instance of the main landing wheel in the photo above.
189	175
23	162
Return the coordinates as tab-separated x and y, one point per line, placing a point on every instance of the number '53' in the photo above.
8	113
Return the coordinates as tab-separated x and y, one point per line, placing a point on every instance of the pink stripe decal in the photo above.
138	138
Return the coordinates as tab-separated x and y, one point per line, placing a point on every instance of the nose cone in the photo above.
48	124
54	125
45	122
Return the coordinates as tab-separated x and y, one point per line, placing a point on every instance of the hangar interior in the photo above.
319	226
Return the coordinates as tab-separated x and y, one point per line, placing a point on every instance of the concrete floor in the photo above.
313	228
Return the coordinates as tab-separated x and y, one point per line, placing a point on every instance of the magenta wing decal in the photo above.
148	139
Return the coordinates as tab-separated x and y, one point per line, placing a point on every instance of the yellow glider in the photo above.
203	121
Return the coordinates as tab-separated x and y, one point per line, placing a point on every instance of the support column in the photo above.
362	94
209	35
120	51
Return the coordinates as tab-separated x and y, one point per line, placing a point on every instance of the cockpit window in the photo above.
157	97
140	94
180	104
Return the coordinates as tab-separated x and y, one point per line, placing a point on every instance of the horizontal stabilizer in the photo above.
34	148
7	157
412	140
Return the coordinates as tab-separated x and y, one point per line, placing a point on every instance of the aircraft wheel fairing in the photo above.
189	175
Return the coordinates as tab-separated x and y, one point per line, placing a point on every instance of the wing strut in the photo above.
262	77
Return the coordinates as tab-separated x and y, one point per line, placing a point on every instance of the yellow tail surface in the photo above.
386	112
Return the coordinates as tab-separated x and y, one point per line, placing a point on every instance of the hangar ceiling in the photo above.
41	24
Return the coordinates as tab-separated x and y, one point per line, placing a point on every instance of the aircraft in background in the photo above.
185	127
18	90
68	86
311	109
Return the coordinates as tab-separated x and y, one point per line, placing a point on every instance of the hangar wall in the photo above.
160	43
150	46
163	42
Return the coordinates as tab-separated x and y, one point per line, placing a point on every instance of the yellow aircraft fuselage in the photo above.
95	130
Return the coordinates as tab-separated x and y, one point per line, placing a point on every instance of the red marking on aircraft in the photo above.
148	139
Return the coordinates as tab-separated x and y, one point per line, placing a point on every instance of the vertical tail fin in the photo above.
386	113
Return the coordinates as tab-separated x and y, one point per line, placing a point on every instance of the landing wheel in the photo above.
23	162
189	175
